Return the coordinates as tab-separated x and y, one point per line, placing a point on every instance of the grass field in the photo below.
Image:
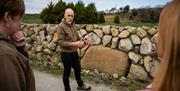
35	18
31	18
125	22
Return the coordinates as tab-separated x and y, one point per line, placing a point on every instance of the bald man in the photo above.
69	43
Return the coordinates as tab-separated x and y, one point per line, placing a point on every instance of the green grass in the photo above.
131	24
35	18
109	19
31	18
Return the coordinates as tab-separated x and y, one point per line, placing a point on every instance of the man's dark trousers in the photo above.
71	60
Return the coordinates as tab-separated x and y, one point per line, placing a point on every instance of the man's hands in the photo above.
87	40
80	44
18	38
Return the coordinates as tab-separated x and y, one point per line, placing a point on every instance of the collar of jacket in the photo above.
70	25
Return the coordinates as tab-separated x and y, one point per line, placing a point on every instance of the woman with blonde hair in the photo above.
168	48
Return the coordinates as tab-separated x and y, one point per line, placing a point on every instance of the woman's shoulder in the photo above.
7	48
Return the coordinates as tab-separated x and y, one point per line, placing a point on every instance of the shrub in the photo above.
101	18
116	19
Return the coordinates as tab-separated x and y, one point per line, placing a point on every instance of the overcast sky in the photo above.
35	6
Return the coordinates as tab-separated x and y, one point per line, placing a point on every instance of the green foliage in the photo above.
146	14
47	14
59	9
91	13
83	15
31	18
126	9
101	18
80	13
70	5
116	19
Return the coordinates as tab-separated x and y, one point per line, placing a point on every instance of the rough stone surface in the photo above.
49	37
48	51
132	30
145	27
51	29
155	68
107	29
89	28
121	29
123	34
39	48
135	39
106	39
125	45
29	33
82	32
141	33
52	45
137	72
135	58
146	46
83	50
114	42
38	40
99	32
45	44
96	26
115	76
105	60
152	31
148	63
55	59
114	32
42	36
28	46
94	38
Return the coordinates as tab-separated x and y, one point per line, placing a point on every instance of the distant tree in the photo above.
126	9
70	5
116	19
59	9
101	18
80	14
47	14
54	13
121	9
133	14
91	13
155	13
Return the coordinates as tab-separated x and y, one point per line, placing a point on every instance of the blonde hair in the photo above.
167	79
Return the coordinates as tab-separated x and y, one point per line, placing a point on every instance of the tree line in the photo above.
54	13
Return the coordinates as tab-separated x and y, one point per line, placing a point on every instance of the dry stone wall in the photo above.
115	51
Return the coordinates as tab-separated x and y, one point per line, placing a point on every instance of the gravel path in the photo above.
48	82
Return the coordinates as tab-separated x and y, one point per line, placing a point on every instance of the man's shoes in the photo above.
84	87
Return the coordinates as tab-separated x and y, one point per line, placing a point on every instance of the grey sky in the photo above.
35	6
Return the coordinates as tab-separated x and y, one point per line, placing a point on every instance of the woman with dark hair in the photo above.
15	71
168	49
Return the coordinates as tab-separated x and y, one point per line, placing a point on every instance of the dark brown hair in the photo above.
14	7
168	41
